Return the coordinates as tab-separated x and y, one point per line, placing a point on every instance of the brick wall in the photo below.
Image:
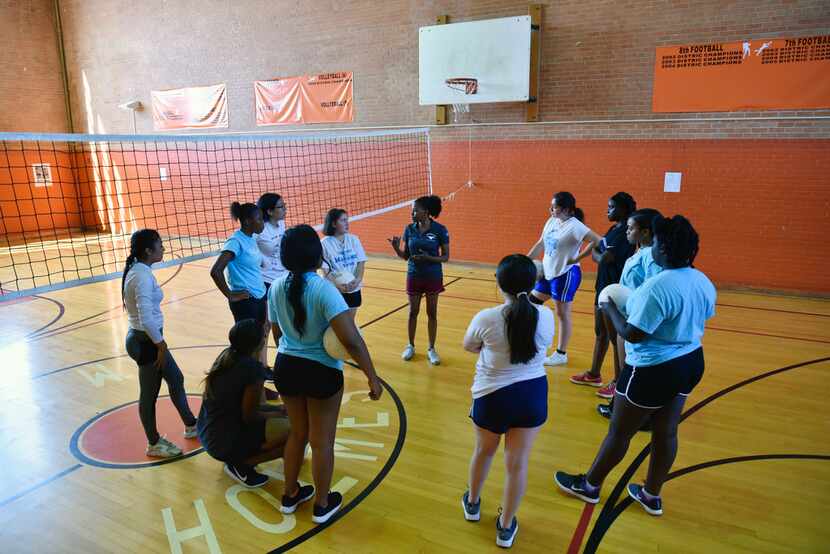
754	189
31	88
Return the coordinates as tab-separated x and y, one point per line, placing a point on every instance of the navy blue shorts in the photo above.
562	288
353	299
522	404
655	386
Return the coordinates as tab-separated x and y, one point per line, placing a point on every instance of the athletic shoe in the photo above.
290	503
586	378
608	390
556	359
653	506
190	431
576	486
472	512
506	536
408	352
434	359
163	449
322	515
246	475
604	410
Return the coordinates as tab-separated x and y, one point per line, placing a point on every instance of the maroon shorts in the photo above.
424	285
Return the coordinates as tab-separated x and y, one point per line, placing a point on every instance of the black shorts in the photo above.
248	442
295	376
250	308
655	386
523	404
353	299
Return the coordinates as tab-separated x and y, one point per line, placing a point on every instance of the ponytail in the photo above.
296	285
242	212
140	241
516	276
127	266
246	336
579	215
300	253
566	201
521	318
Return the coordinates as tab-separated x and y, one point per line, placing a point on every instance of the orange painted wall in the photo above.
760	206
24	207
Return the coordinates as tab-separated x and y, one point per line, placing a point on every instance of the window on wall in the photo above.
42	175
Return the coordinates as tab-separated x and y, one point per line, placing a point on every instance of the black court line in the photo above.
36	486
108	358
387	467
609	514
621	507
44	332
76	449
758	308
61	312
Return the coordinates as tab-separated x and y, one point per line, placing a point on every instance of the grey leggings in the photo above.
144	352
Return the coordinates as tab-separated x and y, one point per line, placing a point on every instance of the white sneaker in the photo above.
163	449
408	352
556	359
190	432
434	359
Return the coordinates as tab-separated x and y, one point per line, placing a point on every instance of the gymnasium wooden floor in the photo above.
752	474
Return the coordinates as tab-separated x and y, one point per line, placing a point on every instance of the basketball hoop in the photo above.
465	85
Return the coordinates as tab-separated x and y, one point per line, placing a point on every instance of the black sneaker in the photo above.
653	506
604	410
506	536
472	512
322	515
246	476
576	486
290	503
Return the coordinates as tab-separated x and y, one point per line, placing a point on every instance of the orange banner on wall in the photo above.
324	98
744	75
189	108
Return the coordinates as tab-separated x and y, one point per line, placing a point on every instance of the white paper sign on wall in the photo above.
671	183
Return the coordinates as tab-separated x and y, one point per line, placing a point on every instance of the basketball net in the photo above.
465	86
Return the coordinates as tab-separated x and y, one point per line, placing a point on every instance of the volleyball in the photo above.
616	293
334	347
343	277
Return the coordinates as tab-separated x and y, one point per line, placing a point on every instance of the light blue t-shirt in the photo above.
322	303
638	268
244	271
672	307
652	268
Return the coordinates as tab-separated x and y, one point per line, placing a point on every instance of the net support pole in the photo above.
441	110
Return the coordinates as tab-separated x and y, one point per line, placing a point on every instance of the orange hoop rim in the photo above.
470	84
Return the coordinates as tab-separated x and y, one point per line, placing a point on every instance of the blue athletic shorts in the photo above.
522	404
562	288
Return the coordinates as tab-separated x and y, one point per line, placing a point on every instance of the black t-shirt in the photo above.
220	422
610	272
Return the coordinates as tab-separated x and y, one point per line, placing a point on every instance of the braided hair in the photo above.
140	241
300	253
678	239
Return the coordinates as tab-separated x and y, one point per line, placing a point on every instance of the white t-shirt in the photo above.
561	240
142	297
494	371
268	242
343	256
